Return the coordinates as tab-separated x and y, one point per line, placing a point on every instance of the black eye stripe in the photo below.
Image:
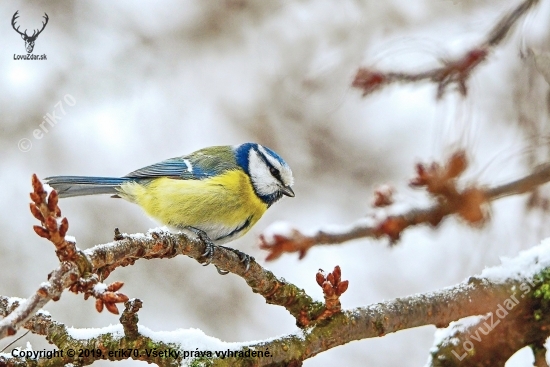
274	171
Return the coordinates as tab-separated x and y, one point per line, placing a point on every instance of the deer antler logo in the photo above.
29	40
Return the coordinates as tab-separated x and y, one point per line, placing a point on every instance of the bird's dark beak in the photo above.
287	190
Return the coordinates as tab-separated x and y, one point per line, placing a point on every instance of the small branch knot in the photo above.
129	318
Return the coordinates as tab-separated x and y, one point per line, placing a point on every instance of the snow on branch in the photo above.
59	279
516	294
159	243
441	183
451	72
521	318
74	271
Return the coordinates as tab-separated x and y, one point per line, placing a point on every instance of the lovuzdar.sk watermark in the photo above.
29	39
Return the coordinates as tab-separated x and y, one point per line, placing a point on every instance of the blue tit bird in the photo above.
218	192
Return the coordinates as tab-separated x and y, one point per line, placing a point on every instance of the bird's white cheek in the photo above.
263	182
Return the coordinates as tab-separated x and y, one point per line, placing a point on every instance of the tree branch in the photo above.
521	319
478	295
59	279
440	182
163	244
457	71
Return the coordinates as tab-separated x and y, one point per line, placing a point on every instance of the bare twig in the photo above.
457	71
44	208
468	203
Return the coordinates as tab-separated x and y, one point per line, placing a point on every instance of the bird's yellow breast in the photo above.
216	205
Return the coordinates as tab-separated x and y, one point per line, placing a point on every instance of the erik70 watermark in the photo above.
51	119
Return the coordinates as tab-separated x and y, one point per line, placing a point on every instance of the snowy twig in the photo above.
457	71
437	308
59	279
440	182
494	337
163	244
74	271
522	318
479	295
90	346
44	208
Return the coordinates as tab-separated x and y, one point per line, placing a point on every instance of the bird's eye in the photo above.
274	171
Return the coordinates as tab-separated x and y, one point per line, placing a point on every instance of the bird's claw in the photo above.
209	245
209	252
221	271
244	258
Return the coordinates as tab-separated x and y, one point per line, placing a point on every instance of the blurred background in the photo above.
142	82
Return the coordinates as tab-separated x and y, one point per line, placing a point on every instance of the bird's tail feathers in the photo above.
69	186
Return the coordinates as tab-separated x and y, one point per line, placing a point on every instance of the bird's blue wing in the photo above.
201	164
179	167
